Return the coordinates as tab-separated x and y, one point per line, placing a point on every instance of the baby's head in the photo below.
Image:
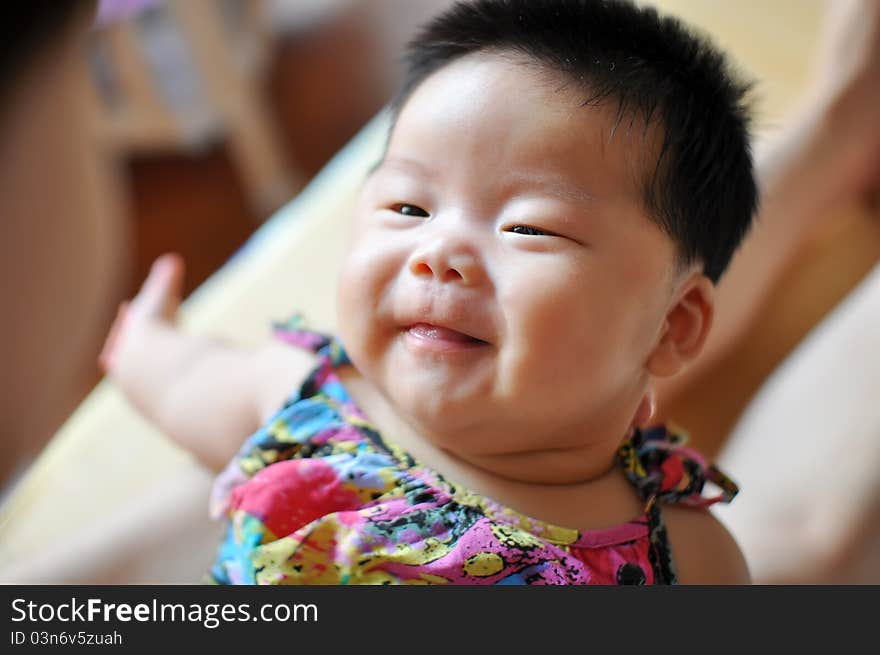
563	184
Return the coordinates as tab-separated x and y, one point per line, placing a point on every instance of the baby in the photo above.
564	183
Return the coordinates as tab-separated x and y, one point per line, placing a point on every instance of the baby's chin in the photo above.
434	411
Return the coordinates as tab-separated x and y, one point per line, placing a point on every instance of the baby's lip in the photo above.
441	333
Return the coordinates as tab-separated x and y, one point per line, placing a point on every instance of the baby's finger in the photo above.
160	294
174	290
105	359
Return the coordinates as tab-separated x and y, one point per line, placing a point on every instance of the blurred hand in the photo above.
204	394
157	302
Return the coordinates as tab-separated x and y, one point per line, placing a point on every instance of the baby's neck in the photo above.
571	487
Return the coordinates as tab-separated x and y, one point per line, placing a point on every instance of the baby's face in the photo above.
505	212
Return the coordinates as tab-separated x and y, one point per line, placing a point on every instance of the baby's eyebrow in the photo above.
555	185
403	164
515	181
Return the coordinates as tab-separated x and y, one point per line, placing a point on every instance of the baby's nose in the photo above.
447	261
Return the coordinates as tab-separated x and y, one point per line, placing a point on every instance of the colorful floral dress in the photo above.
318	496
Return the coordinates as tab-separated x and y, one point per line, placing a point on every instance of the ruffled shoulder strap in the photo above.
296	332
661	468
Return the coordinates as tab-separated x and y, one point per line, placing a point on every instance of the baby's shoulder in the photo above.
704	551
282	369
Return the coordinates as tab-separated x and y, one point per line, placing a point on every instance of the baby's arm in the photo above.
703	551
208	396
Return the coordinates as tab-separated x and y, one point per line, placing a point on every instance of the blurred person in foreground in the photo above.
62	243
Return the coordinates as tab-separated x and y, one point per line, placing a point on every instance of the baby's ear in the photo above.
686	326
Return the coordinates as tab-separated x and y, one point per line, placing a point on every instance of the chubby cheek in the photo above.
567	337
347	296
363	306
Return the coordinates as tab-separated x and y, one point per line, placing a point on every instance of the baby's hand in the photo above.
205	394
196	389
156	303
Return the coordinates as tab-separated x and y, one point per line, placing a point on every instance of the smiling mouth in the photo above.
440	335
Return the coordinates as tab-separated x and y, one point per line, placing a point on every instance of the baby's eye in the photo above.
529	230
409	210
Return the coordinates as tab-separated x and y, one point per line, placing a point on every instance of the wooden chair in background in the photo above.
180	75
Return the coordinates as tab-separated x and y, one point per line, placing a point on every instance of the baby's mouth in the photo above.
436	333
